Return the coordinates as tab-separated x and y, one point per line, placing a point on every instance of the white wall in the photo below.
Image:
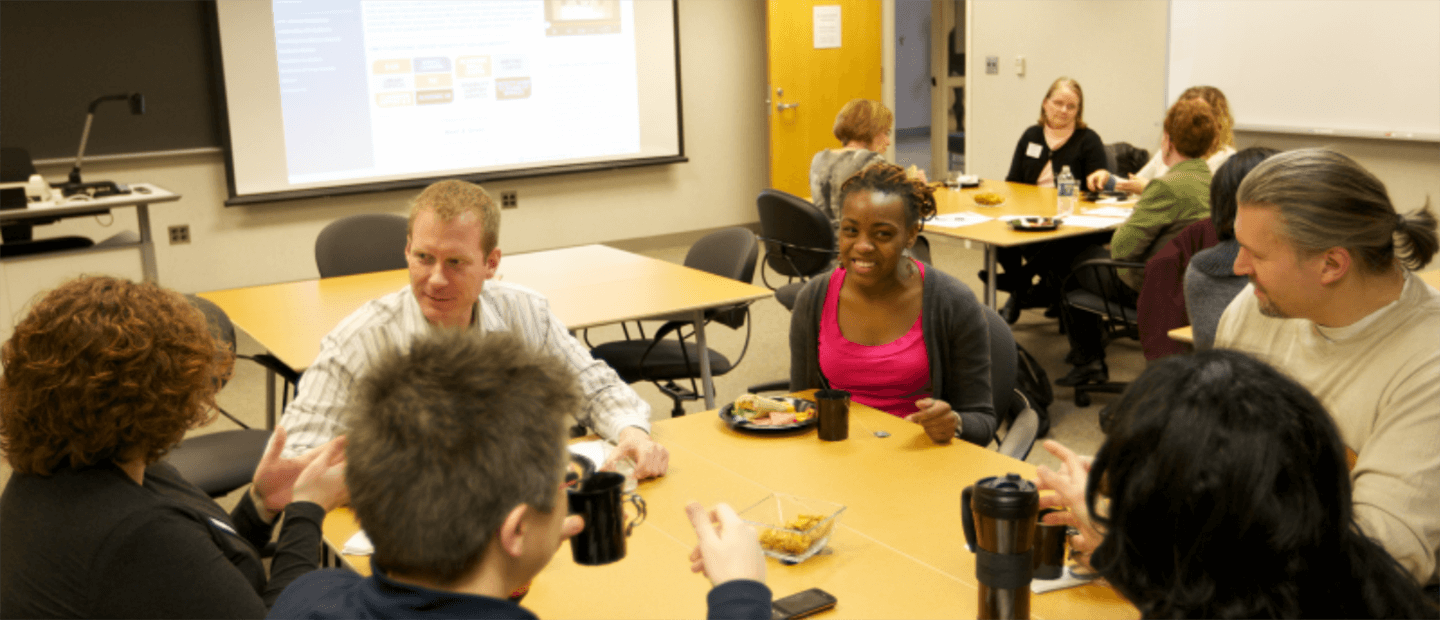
1116	49
912	64
723	80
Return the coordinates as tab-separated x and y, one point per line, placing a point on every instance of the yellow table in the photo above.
898	552
1020	199
587	286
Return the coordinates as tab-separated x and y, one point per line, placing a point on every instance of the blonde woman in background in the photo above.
1223	148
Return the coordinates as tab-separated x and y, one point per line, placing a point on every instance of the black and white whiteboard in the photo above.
1360	68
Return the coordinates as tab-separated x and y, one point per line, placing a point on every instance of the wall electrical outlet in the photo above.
180	234
1019	65
992	65
509	200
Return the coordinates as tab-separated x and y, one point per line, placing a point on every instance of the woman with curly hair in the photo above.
1215	156
903	339
1222	491
100	379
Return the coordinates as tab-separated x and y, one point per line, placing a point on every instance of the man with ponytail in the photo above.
1333	302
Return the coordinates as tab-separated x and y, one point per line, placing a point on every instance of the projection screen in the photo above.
329	97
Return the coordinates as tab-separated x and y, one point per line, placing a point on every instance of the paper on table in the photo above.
1092	221
1067	580
359	544
956	220
1112	211
1113	200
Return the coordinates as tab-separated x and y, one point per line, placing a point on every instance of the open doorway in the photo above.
929	103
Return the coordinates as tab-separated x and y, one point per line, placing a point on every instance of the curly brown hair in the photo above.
889	178
104	368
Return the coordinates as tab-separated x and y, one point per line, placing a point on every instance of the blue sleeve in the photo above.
740	599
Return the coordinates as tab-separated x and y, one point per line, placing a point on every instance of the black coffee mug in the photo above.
1049	547
601	501
832	414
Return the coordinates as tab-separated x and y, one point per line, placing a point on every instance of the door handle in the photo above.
787	106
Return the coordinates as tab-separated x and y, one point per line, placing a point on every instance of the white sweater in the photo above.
1380	380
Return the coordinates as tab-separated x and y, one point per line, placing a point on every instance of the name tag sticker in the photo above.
1033	151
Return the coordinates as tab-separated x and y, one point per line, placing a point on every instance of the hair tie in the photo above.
1399	221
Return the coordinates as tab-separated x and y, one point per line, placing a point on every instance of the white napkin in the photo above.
1111	211
1067	580
359	544
1093	221
956	220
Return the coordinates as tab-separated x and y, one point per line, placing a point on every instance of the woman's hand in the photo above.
1132	185
323	480
916	173
273	486
938	419
1096	181
1069	497
727	547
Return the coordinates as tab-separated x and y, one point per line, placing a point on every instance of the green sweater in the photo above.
1168	205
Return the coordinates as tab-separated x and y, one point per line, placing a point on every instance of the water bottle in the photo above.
1066	196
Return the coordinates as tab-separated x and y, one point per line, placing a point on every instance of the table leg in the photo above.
269	398
147	244
990	252
707	382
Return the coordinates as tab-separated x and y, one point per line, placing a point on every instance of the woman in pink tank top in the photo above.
887	330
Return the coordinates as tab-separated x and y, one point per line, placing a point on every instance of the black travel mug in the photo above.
998	515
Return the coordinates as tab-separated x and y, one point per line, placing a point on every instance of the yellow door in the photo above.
808	85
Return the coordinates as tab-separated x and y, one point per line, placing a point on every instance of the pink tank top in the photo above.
889	377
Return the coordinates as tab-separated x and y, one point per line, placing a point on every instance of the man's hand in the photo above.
323	481
651	459
1069	486
938	419
727	547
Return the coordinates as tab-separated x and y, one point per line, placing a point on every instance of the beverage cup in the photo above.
998	516
601	501
833	414
1049	547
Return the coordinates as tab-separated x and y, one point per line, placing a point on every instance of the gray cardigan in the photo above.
1210	285
957	342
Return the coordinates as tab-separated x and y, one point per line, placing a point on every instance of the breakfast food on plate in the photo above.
798	541
989	199
763	411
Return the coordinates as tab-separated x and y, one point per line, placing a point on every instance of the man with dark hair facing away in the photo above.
456	466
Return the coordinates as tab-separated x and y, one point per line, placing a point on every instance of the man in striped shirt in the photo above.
453	234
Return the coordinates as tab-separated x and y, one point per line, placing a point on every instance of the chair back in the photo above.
1010	404
361	243
731	253
799	239
216	319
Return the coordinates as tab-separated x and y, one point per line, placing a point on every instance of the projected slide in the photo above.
395	88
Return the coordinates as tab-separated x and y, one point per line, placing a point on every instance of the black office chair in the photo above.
1094	286
361	243
731	253
799	242
1010	404
222	461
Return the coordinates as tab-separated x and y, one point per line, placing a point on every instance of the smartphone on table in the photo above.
801	604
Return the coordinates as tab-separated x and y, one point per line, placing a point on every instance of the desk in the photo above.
587	286
141	197
1020	199
1186	334
898	551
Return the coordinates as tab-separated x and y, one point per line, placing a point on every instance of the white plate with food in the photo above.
760	414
